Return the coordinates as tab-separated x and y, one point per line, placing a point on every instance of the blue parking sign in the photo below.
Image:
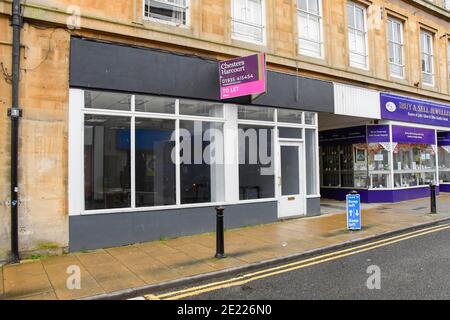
353	212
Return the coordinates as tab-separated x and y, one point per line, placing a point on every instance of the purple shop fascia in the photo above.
398	114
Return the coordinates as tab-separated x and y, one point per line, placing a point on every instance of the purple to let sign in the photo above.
242	76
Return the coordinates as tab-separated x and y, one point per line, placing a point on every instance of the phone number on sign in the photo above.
237	79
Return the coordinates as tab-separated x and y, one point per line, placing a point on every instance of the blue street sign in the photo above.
353	212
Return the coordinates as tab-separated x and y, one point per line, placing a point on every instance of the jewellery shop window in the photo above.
444	164
414	165
379	168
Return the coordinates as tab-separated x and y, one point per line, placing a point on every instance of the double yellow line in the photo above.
249	277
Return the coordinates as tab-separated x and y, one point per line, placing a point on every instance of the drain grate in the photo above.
420	208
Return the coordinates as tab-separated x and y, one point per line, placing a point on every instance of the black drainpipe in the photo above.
15	113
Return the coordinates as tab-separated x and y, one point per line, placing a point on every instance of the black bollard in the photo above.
433	198
220	239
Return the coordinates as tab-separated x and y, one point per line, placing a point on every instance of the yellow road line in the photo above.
238	282
248	275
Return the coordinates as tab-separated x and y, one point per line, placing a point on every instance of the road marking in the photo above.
246	278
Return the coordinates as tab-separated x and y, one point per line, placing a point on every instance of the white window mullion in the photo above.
177	155
133	161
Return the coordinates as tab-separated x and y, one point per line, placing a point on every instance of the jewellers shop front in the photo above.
154	147
392	159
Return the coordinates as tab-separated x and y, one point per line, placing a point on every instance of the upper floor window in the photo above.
248	20
357	35
309	14
427	57
171	11
396	44
447	4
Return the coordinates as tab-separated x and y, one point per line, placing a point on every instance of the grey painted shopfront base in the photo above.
313	207
88	232
109	230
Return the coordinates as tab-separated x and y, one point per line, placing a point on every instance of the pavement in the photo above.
120	271
412	269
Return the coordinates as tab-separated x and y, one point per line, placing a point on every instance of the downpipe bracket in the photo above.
14	113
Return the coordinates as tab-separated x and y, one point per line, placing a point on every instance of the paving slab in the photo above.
108	272
59	269
25	279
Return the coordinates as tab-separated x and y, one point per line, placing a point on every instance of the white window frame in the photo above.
364	31
77	112
188	15
429	54
263	24
308	16
275	124
394	21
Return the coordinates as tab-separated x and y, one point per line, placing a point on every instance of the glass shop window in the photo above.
202	162
330	165
256	163
444	164
155	170
256	113
107	162
154	104
311	161
107	100
414	165
379	168
201	108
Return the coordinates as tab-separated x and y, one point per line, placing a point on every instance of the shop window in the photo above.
256	113
309	13
248	20
379	168
311	161
290	133
427	57
414	165
114	145
290	116
357	35
172	11
107	162
330	166
310	118
396	47
155	170
345	166
256	163
201	108
107	100
444	164
360	162
202	162
154	104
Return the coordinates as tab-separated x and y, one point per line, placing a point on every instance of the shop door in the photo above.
291	199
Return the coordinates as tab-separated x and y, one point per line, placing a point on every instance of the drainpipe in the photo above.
15	113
